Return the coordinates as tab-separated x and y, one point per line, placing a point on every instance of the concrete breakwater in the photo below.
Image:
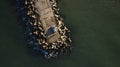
46	31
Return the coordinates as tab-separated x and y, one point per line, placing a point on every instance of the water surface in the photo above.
94	26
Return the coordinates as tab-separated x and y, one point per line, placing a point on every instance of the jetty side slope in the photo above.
45	29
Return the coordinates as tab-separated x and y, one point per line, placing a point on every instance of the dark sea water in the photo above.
95	29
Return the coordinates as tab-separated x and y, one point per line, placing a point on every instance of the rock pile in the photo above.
36	37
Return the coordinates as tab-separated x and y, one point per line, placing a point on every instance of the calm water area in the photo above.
95	31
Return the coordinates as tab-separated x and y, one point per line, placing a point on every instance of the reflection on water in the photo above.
95	32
